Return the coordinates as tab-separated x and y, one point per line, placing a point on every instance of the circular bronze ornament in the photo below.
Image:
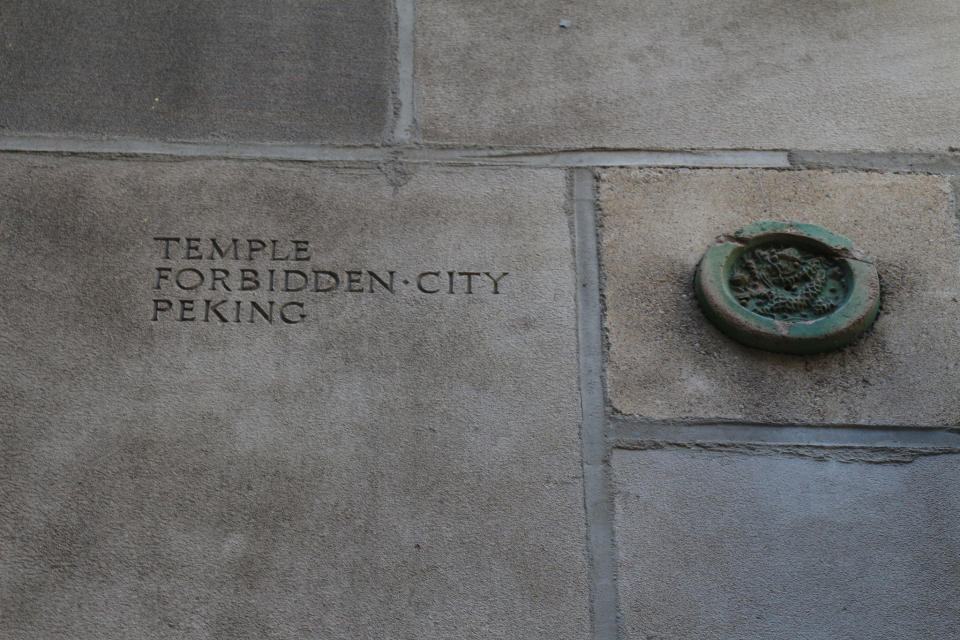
788	287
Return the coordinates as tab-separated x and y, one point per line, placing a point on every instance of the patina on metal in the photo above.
788	287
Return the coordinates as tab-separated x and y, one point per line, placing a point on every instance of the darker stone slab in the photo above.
291	71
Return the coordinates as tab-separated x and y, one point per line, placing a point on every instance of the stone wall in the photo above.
376	320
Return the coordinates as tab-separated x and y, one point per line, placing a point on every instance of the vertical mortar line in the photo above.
954	180
593	437
404	128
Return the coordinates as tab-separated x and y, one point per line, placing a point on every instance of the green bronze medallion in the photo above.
788	287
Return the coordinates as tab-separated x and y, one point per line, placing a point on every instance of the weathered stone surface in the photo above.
667	361
718	546
293	71
678	74
395	466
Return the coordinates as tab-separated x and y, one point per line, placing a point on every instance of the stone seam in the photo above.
846	454
885	437
598	501
955	202
923	163
408	151
405	126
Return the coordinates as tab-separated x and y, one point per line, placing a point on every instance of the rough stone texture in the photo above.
396	466
715	546
667	361
675	74
291	71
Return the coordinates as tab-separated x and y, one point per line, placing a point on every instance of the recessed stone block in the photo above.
739	546
667	361
683	73
292	71
319	460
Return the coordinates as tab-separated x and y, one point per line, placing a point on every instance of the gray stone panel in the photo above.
689	74
291	71
667	361
397	465
714	546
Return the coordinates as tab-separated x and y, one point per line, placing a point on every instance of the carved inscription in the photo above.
253	280
788	282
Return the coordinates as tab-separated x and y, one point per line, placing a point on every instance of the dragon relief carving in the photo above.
788	283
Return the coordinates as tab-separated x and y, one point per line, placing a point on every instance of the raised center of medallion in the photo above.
788	282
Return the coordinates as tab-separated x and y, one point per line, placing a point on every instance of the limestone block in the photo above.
690	74
292	71
667	361
717	546
371	464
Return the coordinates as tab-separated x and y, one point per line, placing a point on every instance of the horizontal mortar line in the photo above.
913	162
380	154
229	150
588	158
629	431
906	162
